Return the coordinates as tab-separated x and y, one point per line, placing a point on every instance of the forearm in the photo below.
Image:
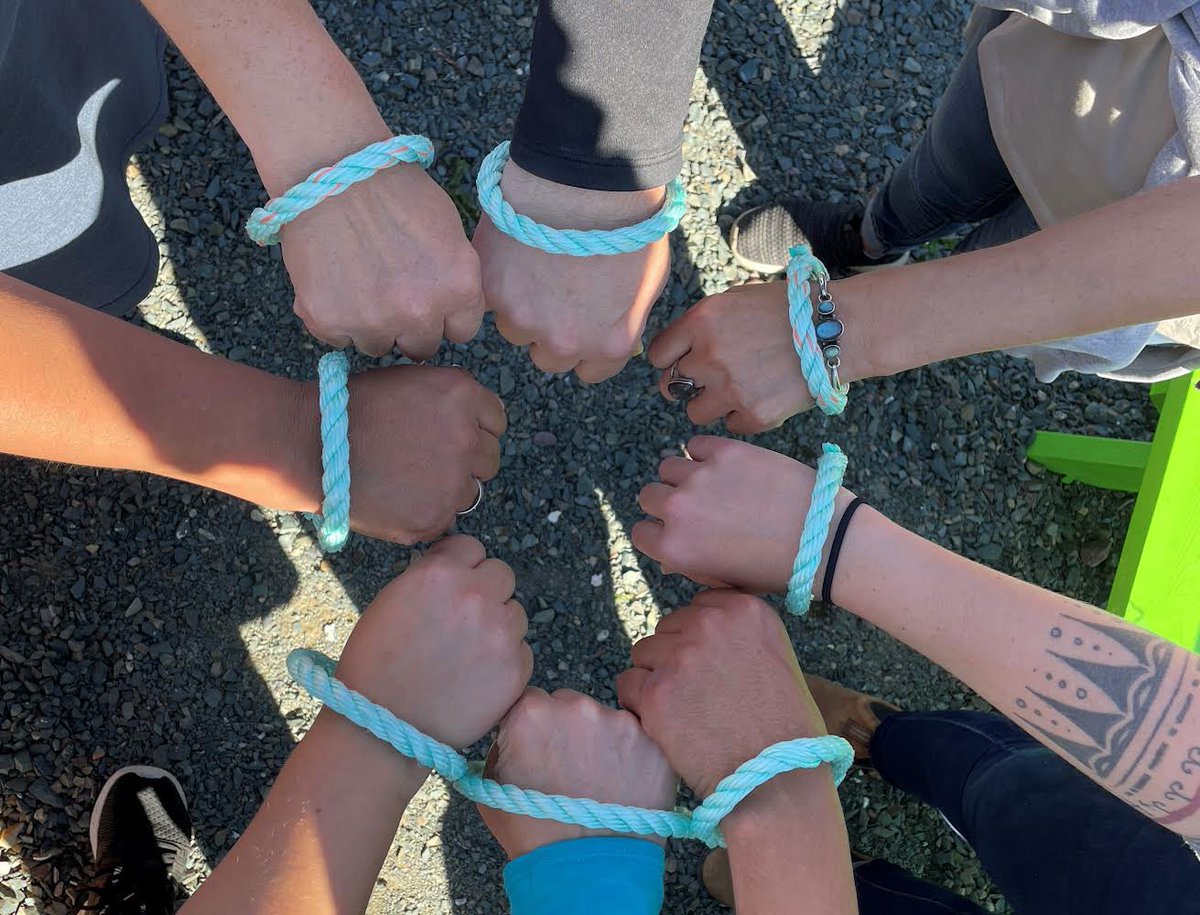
296	100
787	841
1115	701
608	91
322	834
1129	263
83	388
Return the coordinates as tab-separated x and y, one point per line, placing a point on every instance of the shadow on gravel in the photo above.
123	599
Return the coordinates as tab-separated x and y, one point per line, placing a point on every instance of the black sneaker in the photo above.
141	833
760	238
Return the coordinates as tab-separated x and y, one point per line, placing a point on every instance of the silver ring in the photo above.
681	387
478	499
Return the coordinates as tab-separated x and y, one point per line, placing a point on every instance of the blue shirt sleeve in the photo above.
594	876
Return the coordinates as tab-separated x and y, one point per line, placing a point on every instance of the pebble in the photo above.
792	96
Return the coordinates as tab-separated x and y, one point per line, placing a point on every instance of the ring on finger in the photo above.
478	498
681	387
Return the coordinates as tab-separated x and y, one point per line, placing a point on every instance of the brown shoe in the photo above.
718	879
849	714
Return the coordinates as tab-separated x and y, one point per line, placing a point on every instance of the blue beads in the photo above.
828	331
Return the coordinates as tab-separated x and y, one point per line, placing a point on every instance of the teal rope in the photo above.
266	221
576	242
315	673
333	524
831	466
802	266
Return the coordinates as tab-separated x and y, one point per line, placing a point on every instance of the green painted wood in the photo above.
1106	463
1157	584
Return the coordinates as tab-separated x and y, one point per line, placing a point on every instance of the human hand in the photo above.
731	516
420	436
443	646
568	743
385	264
584	314
716	684
737	346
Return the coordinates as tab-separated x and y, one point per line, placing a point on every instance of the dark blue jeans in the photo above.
955	175
1053	841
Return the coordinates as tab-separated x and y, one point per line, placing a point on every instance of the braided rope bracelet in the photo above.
315	674
831	467
576	242
819	358
333	523
266	221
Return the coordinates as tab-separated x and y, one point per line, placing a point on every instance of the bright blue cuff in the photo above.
596	876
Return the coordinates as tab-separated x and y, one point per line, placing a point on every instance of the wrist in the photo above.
364	757
292	423
872	346
298	137
802	795
840	503
564	207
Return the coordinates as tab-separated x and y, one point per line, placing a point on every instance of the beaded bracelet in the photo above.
333	524
576	242
315	674
817	344
831	467
266	221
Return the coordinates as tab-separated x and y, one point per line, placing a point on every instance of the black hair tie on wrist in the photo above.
838	536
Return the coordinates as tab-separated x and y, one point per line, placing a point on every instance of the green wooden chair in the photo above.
1157	584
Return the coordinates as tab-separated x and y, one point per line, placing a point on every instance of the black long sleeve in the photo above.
608	91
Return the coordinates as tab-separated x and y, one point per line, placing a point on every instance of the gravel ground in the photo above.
145	620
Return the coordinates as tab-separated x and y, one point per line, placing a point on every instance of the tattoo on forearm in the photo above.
1125	705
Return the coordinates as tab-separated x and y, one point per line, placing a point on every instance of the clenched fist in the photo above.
443	646
568	743
716	684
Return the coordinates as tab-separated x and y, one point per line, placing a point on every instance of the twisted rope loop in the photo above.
576	242
333	524
315	673
831	467
266	221
802	266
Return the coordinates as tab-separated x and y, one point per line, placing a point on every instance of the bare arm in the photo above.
384	264
442	647
1115	701
1129	263
286	86
319	839
81	387
84	388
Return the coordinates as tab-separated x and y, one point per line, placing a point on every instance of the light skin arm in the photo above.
81	387
1115	701
1125	264
387	261
443	647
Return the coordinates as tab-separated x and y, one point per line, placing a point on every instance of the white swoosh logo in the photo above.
40	214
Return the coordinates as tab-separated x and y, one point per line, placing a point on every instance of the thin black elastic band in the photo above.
838	536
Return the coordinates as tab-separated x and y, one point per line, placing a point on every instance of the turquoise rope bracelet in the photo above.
801	267
266	221
315	673
333	524
831	467
576	242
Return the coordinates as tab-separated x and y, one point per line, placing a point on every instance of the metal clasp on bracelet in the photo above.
828	329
